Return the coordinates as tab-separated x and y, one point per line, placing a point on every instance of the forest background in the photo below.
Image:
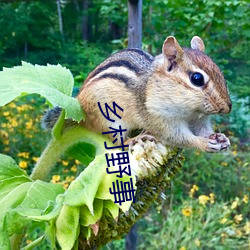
208	203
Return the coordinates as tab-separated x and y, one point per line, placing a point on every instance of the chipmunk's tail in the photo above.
50	117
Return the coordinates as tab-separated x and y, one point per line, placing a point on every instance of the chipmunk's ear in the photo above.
197	43
171	49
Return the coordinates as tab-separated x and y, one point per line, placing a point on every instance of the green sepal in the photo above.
86	218
67	226
58	127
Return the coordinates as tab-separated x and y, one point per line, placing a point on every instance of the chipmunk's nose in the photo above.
230	106
227	108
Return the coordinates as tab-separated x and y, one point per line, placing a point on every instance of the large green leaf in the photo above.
22	200
6	186
53	82
83	189
39	194
67	226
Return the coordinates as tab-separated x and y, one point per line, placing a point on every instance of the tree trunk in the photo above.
131	238
135	23
59	16
86	21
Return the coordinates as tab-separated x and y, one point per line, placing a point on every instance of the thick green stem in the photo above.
57	147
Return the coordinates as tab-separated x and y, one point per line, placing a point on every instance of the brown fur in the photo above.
157	95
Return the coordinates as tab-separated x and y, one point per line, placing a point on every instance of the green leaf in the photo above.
58	127
53	82
50	234
47	215
14	198
6	186
83	189
9	168
39	194
14	223
86	231
94	182
67	226
4	240
112	208
107	183
83	152
20	197
86	218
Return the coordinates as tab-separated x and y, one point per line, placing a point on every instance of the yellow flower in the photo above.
238	159
6	113
23	164
35	159
4	134
234	152
70	178
183	248
12	105
14	123
29	124
223	220
193	190
247	227
203	199
55	178
245	199
238	233
6	149
223	235
197	242
24	154
187	211
73	168
6	141
24	107
211	195
224	164
65	163
235	203
238	218
77	162
65	185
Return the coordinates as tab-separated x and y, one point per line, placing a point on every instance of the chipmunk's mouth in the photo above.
224	108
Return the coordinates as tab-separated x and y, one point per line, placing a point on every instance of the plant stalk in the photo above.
57	147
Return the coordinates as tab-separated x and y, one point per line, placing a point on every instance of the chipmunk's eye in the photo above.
197	79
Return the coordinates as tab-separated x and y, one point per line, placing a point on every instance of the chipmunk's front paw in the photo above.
217	142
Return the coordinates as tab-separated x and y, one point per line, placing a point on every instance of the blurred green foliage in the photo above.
30	32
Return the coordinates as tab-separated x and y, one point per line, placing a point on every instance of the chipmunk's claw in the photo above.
218	142
141	139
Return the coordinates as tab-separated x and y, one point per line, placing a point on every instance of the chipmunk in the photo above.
170	96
